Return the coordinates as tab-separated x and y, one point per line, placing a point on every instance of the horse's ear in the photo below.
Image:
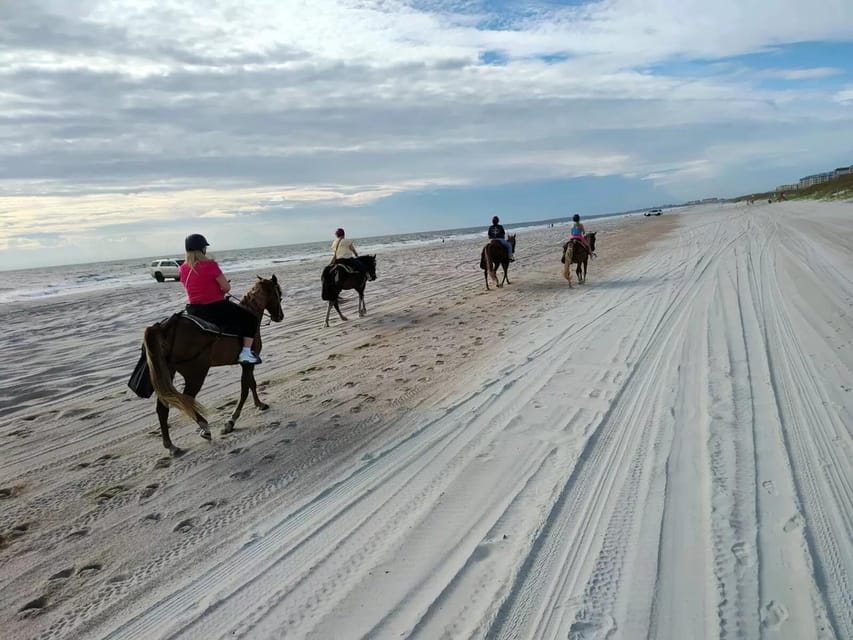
274	279
258	277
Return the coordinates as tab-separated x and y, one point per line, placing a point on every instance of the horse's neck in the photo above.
253	300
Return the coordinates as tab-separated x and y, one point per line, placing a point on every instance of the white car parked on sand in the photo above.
166	268
653	212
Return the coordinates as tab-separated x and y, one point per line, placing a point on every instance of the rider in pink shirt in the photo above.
206	288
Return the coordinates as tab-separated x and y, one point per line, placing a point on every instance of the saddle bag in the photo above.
140	380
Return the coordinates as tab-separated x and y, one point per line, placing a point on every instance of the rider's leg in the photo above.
508	246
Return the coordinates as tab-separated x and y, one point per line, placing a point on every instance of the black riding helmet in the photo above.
195	242
576	218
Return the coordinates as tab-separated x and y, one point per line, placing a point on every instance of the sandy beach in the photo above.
665	451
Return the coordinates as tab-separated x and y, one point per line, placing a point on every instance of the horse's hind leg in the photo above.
486	275
506	277
191	388
362	308
163	417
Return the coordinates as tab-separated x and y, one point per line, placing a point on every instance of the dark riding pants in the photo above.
230	317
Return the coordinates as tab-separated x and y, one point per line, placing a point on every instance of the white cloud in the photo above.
118	111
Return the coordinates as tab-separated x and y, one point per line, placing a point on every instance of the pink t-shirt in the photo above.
200	283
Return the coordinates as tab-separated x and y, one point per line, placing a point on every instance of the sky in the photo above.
127	124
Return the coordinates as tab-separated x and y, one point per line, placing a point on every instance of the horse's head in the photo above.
370	263
265	296
511	239
591	239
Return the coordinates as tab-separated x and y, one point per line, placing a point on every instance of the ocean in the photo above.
38	283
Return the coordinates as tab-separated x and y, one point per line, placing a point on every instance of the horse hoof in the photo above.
228	428
204	433
263	406
177	452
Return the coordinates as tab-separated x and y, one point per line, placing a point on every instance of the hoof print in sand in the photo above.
79	533
62	575
109	494
151	518
90	569
33	608
148	491
184	526
774	614
9	492
795	522
163	463
245	474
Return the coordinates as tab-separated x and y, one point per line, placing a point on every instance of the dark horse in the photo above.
575	252
337	277
495	255
179	344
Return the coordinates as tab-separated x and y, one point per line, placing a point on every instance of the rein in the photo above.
260	315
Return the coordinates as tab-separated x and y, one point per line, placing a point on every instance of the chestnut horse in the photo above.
179	344
575	252
336	278
495	255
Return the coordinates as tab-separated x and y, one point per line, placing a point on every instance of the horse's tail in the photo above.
329	292
490	267
567	266
158	369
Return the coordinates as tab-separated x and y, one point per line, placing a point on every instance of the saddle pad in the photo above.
344	267
206	326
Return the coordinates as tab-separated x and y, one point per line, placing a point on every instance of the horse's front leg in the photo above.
362	308
506	277
246	379
486	276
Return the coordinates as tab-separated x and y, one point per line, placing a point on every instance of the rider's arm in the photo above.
352	248
223	283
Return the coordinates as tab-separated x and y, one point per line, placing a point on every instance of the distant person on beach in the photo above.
206	288
343	251
578	232
497	232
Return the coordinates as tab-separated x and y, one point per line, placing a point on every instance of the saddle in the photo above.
207	327
344	267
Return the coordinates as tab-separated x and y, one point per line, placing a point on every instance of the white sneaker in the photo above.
247	356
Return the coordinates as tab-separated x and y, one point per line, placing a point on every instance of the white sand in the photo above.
663	452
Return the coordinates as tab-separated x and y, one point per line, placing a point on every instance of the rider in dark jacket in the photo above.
497	232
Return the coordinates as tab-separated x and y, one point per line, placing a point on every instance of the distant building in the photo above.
842	171
817	178
787	187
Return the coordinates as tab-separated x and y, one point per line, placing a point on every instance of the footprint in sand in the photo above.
185	526
741	552
268	458
79	533
774	615
795	522
211	504
9	492
769	487
33	608
245	474
19	530
235	451
163	463
148	491
62	575
109	494
90	569
151	518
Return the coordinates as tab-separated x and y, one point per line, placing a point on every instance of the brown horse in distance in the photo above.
336	277
180	345
495	255
575	252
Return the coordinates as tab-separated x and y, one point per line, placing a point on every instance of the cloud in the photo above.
803	74
115	112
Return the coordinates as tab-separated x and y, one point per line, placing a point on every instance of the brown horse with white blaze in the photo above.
180	345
